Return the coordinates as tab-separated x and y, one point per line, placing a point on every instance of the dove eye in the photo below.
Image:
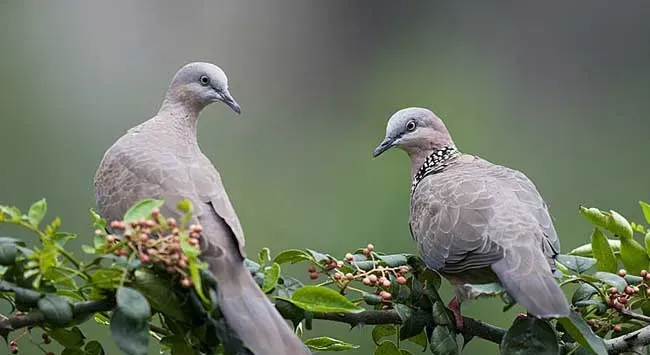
204	80
410	126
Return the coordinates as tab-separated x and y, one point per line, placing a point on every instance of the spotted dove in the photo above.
160	158
476	222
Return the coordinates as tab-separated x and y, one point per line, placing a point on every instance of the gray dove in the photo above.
476	222
160	158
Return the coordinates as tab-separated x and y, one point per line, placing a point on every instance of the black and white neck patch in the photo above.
435	162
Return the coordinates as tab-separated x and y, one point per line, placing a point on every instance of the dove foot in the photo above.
454	307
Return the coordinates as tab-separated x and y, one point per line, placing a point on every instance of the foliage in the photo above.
145	280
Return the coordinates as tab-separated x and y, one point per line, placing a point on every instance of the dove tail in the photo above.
534	288
252	316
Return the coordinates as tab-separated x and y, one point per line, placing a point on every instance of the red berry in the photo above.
155	211
349	276
349	257
186	282
591	322
403	269
629	290
365	251
643	273
386	283
338	276
313	275
373	278
371	247
366	281
386	296
401	280
311	269
622	272
144	258
13	343
617	305
617	328
613	290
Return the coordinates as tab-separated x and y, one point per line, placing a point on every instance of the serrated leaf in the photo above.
94	348
157	292
291	255
264	256
612	280
142	210
37	212
133	305
645	207
443	342
530	335
602	251
328	344
393	260
98	221
587	250
387	348
72	338
382	331
634	256
56	310
132	338
322	299
581	332
583	292
575	263
8	253
12	212
271	277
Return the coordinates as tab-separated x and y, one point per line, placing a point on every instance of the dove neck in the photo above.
183	115
432	163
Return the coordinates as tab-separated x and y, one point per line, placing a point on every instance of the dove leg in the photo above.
454	307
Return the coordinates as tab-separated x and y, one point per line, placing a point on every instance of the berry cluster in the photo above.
13	345
155	241
343	273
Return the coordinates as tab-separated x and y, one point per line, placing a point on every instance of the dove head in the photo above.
197	85
415	130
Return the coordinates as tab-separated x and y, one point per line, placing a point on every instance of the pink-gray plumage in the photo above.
474	221
161	158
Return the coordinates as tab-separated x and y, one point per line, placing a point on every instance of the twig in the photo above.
634	315
628	342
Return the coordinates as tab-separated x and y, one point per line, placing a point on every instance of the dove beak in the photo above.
231	102
385	145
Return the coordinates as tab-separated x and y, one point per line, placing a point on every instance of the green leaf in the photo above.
109	278
37	212
13	212
577	264
177	344
403	311
133	305
271	277
88	249
382	331
318	256
322	299
530	335
612	280
443	341
645	207
291	255
583	292
142	210
581	332
394	260
56	310
8	253
586	249
158	294
612	221
94	348
420	339
71	351
72	339
98	221
634	256
264	256
132	338
328	344
387	348
602	251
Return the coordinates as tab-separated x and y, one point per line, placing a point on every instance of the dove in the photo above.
160	158
476	222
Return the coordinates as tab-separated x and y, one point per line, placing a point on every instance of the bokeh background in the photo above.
559	90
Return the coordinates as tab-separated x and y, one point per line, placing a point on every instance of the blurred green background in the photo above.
556	89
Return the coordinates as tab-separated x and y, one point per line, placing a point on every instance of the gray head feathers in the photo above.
418	131
197	85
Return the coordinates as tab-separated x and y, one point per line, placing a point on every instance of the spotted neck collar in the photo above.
435	162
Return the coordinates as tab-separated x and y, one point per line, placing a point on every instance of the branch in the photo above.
471	327
629	341
35	318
